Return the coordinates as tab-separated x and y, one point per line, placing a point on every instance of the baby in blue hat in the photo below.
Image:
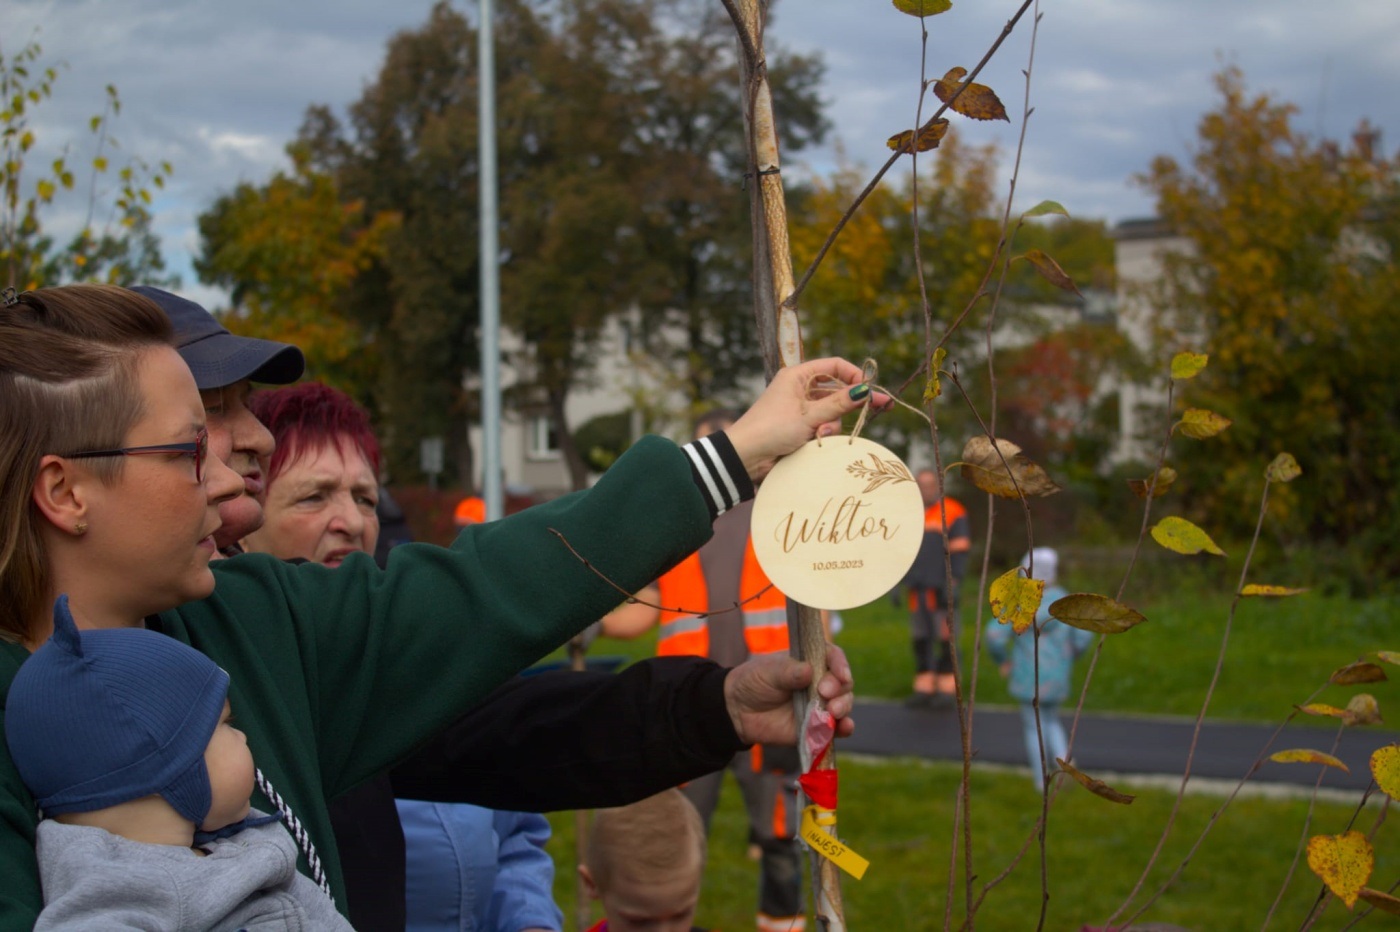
123	737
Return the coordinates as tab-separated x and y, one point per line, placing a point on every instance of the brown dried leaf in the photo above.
983	466
930	135
1354	674
1198	423
1321	708
1385	768
1363	709
1382	901
1050	270
1344	862
1095	613
1097	787
978	101
1166	476
1284	468
1016	599
1308	756
1271	592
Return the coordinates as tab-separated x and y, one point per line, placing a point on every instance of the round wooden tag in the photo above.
838	523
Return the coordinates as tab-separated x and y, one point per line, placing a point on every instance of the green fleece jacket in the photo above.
338	674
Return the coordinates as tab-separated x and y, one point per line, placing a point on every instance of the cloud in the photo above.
219	88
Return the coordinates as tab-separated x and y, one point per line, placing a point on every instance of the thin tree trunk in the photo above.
781	342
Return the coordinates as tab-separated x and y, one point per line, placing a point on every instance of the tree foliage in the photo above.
120	247
1291	282
864	300
288	251
619	136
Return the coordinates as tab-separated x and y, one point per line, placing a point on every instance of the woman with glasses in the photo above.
336	674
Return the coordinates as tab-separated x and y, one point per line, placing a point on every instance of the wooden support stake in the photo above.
781	340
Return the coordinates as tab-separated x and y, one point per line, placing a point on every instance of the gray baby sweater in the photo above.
95	880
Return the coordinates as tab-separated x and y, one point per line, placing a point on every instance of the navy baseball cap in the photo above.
217	357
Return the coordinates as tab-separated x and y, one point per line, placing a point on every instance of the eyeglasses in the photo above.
199	449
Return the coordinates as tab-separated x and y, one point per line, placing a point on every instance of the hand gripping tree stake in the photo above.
781	342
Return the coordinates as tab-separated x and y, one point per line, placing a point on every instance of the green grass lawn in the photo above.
1280	650
898	814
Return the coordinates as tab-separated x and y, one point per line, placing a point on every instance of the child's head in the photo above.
1047	563
115	715
644	861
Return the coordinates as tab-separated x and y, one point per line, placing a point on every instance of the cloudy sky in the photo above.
218	87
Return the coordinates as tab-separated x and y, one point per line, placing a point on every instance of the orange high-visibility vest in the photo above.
765	617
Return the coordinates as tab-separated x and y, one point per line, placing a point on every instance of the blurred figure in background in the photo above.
645	862
931	594
1016	654
706	587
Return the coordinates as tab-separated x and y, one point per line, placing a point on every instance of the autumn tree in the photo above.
620	145
288	251
1290	282
864	299
115	243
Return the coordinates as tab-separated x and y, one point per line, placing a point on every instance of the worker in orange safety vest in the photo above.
695	605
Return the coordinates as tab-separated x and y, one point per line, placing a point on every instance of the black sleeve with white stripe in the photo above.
718	473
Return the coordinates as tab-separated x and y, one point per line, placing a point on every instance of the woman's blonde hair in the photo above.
68	382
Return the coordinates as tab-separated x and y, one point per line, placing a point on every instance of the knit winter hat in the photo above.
114	715
1047	564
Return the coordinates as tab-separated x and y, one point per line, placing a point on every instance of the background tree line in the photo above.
622	193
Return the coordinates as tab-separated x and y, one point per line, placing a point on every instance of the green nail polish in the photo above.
860	391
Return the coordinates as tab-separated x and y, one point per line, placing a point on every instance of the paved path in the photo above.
1117	744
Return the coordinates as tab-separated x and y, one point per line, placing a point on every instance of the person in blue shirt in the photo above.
1059	645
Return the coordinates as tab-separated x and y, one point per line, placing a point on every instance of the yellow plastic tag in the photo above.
812	832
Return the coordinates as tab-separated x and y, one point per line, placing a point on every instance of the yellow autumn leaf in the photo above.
1016	599
930	135
1385	769
1002	470
1166	477
1354	674
1095	613
1188	365
1284	468
977	101
1321	708
922	8
1308	756
1050	270
1198	423
1389	656
1273	592
1343	862
1097	787
1182	536
1382	901
1363	709
934	388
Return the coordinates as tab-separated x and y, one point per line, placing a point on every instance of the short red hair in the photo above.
308	417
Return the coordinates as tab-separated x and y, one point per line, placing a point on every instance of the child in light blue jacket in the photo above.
1059	645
